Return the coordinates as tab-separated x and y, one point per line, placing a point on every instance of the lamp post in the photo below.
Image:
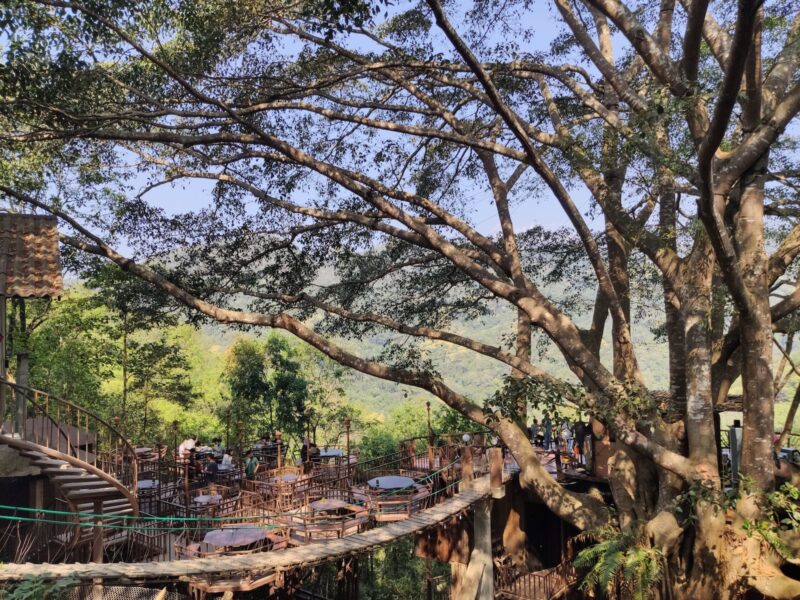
430	429
117	450
278	442
240	430
430	436
347	444
175	436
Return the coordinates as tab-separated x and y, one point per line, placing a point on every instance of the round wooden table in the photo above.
331	453
327	504
208	499
391	482
235	536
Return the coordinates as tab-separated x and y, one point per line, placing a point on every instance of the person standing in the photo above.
533	430
187	446
211	469
579	430
566	435
218	449
250	465
548	431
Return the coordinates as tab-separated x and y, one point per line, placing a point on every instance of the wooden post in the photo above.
186	480
430	437
466	468
97	543
347	447
3	392
496	472
482	552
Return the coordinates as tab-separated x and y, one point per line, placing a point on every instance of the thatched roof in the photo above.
30	264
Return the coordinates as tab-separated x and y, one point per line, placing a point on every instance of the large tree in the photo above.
330	137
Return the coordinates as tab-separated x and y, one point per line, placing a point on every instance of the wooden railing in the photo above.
60	425
538	585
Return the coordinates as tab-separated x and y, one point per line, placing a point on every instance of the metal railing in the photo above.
70	429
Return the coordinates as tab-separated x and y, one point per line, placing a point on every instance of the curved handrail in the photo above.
93	440
77	462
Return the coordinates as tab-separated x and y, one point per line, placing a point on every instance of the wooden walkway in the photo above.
265	562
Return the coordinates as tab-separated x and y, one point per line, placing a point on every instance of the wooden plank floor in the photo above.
261	562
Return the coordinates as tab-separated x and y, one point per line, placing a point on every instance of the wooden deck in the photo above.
264	562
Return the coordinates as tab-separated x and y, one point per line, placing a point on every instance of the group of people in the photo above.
570	436
204	464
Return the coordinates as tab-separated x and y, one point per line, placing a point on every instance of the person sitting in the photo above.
250	465
211	470
197	461
218	449
313	452
307	453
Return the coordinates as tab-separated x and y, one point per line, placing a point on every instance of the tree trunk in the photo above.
696	309
675	326
756	336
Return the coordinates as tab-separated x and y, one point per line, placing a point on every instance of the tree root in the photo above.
777	586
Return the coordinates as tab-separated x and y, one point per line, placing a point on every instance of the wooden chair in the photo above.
396	507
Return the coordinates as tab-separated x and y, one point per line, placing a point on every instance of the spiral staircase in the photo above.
91	466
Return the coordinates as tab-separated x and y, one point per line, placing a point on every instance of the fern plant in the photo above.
38	588
620	560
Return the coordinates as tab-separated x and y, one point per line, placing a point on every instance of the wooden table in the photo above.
328	504
207	499
235	536
391	482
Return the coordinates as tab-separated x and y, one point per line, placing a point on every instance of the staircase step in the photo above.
84	485
94	493
112	503
74	478
48	462
109	515
64	470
